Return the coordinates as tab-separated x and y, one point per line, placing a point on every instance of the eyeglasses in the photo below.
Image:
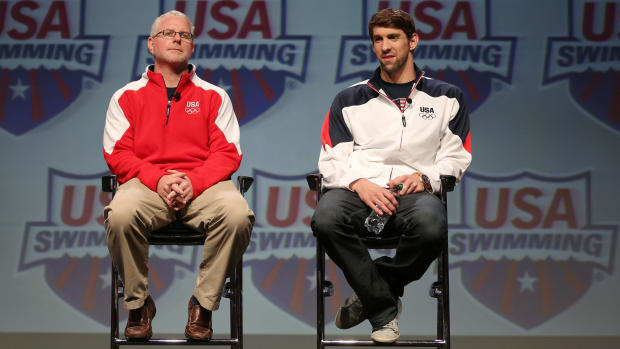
169	34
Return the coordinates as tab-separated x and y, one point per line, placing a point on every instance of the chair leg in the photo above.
114	308
445	295
320	295
230	291
442	293
440	303
234	291
239	301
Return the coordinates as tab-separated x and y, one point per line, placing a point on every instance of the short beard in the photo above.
393	68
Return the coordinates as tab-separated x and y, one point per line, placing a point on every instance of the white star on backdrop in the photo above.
527	282
223	85
19	90
105	280
312	279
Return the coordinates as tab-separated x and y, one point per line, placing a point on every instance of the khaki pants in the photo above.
220	211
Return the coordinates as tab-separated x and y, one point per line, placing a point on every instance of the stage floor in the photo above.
29	340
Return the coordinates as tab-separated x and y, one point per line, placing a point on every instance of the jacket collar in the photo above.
158	79
375	80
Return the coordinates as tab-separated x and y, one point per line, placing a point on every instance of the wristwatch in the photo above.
427	183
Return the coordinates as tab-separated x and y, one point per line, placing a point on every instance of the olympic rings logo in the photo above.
192	110
427	116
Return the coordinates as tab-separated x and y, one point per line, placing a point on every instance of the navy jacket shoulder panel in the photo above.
438	88
459	125
354	95
351	96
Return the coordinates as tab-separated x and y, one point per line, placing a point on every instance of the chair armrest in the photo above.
314	181
244	183
447	185
447	182
109	183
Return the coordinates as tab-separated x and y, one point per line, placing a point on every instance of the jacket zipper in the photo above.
170	101
168	112
397	106
400	145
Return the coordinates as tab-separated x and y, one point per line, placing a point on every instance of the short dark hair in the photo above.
392	18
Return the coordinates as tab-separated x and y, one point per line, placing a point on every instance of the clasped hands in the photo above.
175	189
381	199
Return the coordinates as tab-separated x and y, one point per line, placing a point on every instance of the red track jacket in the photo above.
196	132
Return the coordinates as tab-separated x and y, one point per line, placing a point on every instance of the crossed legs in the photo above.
421	223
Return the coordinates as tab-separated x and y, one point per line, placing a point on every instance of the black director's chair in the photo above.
439	289
177	233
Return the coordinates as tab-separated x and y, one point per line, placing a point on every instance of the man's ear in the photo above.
150	44
413	43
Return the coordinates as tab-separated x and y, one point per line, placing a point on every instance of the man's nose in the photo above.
385	45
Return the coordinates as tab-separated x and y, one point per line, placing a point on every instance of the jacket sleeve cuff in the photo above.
197	183
350	181
151	179
436	184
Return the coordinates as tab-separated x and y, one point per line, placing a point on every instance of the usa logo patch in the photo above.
588	58
526	245
243	47
44	61
70	246
456	45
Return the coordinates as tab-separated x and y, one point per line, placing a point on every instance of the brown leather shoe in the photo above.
139	321
198	321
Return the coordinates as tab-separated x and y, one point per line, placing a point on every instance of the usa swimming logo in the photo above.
456	45
70	246
243	47
588	57
526	244
44	62
282	251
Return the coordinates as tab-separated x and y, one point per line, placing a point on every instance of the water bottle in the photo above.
375	222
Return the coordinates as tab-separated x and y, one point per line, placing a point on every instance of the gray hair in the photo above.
155	26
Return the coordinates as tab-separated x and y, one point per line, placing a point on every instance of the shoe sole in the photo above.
196	339
338	319
385	341
339	323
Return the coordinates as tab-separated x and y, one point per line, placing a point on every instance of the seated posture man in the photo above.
173	141
399	127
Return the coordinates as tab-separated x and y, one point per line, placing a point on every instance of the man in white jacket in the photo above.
397	128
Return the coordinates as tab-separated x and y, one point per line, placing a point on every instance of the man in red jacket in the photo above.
173	141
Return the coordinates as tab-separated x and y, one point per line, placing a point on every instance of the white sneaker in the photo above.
388	333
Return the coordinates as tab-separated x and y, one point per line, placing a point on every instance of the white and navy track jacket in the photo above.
365	134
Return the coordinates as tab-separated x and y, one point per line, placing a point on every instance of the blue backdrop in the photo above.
534	223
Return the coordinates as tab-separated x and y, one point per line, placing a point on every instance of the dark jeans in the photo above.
421	223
